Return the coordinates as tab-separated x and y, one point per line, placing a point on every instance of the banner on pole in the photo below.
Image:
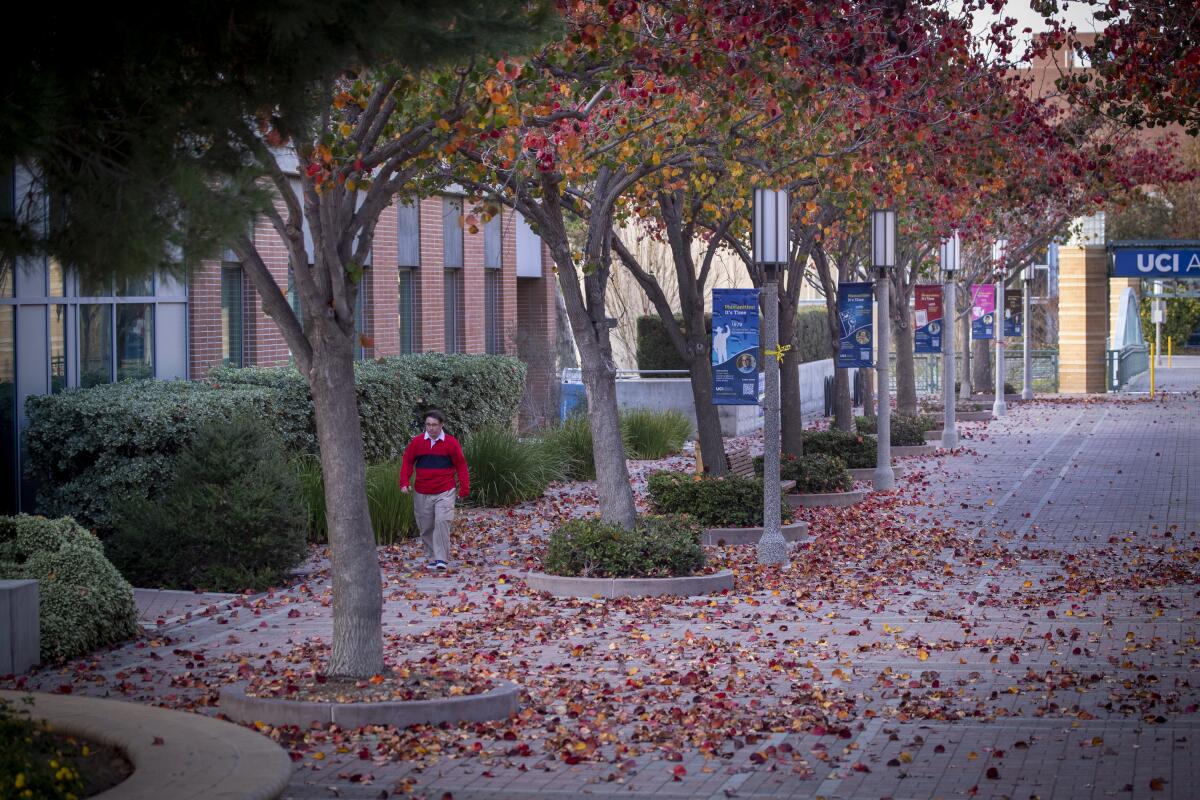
927	318
735	346
983	311
1014	313
857	342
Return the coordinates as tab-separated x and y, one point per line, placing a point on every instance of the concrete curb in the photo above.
867	474
497	703
826	499
175	754
973	416
907	451
608	588
793	532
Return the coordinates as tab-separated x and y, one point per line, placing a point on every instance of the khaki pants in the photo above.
435	513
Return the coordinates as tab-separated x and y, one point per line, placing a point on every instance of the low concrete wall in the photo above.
675	394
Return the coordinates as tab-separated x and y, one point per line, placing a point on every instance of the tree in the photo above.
316	114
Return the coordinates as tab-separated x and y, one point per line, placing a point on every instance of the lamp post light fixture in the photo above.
771	227
883	259
999	407
1026	333
948	257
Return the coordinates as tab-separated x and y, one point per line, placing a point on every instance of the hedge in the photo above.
84	602
89	448
716	502
655	351
659	547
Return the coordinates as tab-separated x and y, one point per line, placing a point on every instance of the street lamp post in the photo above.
999	407
771	225
1026	334
883	258
949	260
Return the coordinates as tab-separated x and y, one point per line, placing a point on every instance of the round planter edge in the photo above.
608	588
826	499
792	532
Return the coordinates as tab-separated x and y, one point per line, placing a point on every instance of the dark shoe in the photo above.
440	566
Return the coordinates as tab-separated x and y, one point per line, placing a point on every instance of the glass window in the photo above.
491	311
407	310
360	317
231	316
58	278
58	348
492	243
452	231
293	295
91	286
95	344
7	212
452	304
408	234
136	286
8	411
135	341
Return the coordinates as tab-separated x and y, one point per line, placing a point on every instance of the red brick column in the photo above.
204	318
383	325
536	346
264	344
472	326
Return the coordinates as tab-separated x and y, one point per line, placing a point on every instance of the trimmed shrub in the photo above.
907	430
84	603
392	515
856	450
813	474
89	449
654	434
506	471
715	502
660	547
812	334
233	519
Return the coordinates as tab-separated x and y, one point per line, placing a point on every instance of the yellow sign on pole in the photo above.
1152	370
1169	353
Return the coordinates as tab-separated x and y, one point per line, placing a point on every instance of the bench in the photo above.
742	464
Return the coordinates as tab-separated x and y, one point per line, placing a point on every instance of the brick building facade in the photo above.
432	285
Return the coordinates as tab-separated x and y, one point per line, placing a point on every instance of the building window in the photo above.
231	316
135	341
95	345
360	317
491	311
452	298
407	311
8	410
58	348
408	234
135	287
452	231
493	243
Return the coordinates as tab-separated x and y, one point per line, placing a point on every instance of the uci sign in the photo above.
1156	263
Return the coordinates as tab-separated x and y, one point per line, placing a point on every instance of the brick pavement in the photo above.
1024	624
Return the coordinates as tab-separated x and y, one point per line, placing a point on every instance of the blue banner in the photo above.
735	347
927	318
856	346
1157	263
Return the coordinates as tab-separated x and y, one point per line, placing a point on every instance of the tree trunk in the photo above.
564	344
843	402
906	382
981	372
608	449
708	420
791	414
357	647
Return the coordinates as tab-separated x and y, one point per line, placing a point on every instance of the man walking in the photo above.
438	460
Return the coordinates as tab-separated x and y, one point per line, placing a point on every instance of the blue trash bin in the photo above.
571	397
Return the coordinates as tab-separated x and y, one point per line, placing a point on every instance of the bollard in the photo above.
1169	353
1151	370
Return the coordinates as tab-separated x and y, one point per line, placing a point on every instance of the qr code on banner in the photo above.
749	387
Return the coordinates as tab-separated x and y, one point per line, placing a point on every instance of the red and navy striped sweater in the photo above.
436	463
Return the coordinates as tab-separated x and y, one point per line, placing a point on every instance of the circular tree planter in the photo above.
720	537
973	416
826	499
497	703
174	754
867	474
564	586
914	450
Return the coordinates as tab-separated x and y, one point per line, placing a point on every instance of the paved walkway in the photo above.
1019	619
1182	376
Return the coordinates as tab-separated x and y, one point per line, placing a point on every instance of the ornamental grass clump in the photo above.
392	516
659	547
506	470
572	440
715	502
654	434
233	519
83	602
